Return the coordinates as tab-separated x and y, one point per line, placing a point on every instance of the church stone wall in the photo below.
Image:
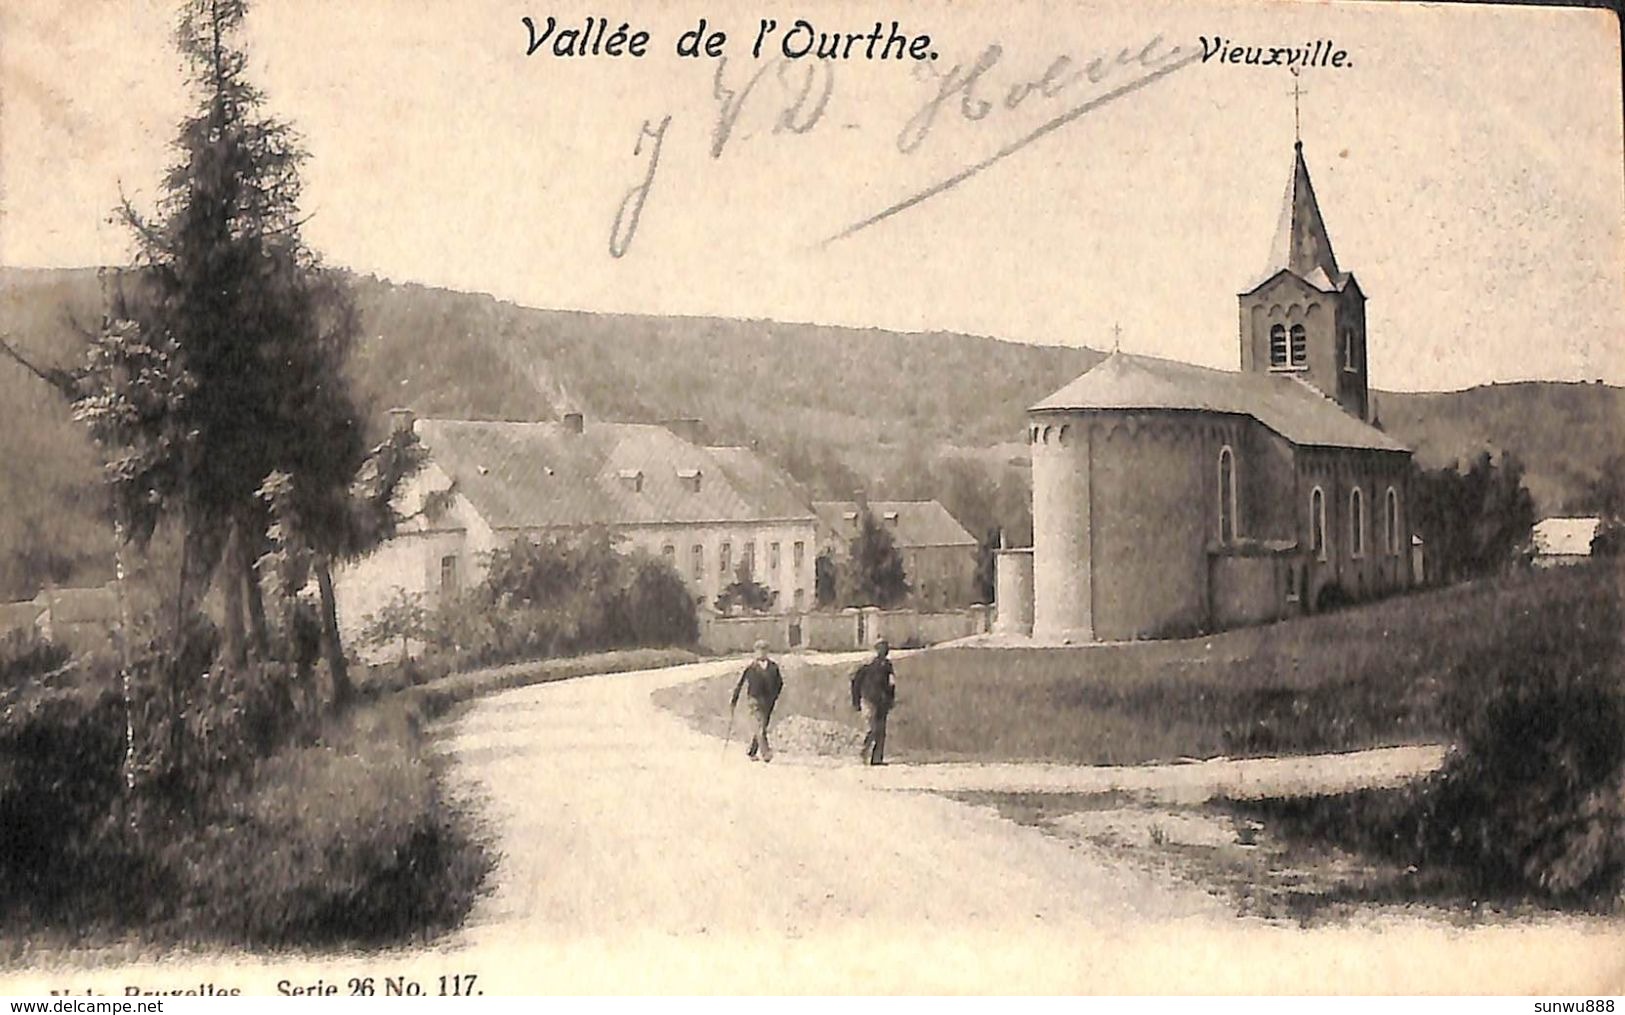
1062	577
1246	590
1013	592
1126	509
1156	494
1374	570
1266	471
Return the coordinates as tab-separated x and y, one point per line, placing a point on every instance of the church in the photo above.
1171	500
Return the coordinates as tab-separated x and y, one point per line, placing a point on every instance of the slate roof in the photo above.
19	616
912	523
1301	244
543	475
1564	537
80	605
1291	407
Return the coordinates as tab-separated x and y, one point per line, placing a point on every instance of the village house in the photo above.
1560	541
82	619
706	510
1170	499
939	556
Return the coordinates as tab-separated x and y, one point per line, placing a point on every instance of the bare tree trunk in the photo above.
259	638
200	555
232	635
332	647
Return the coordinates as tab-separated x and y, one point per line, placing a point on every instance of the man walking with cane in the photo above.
874	691
763	682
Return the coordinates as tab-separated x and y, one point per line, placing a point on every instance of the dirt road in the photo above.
639	854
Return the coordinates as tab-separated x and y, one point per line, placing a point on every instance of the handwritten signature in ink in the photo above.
968	86
795	95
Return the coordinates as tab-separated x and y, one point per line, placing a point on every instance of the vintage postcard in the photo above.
507	498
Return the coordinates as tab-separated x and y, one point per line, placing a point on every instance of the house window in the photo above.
697	555
448	574
1391	526
773	558
1300	346
1278	345
1317	523
1227	495
1356	523
747	557
801	599
800	554
725	558
669	552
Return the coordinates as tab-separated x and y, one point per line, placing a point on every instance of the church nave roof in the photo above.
1282	402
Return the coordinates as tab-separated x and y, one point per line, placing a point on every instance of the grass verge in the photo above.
1375	675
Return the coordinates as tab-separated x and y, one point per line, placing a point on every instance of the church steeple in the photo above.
1306	316
1302	245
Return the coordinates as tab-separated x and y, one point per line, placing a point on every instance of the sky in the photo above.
1468	161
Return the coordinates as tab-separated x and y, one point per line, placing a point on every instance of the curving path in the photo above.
642	855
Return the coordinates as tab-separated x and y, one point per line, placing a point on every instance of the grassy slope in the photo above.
1370	676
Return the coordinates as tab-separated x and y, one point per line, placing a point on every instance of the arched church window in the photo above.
1317	523
1300	346
1227	495
1391	528
1356	523
1278	345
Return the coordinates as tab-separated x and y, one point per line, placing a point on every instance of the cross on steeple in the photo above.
1297	92
1117	337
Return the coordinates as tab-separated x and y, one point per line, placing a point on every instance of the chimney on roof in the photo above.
401	420
574	422
688	428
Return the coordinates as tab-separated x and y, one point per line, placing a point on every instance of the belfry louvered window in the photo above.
1278	350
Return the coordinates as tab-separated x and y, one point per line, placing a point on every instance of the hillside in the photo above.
906	414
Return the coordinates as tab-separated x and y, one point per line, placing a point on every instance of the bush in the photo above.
402	620
1536	797
25	655
1531	804
560	597
61	752
344	842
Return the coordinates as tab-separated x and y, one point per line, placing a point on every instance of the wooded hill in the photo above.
901	414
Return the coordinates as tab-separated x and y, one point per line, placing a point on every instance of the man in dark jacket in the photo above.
763	682
874	690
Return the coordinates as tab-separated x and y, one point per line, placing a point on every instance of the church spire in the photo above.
1302	245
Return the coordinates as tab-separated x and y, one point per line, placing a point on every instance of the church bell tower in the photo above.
1306	317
